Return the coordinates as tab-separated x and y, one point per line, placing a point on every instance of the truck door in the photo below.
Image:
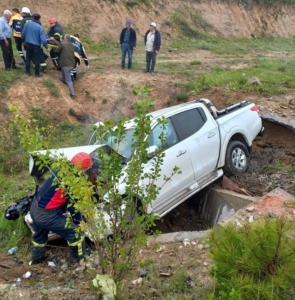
176	154
201	136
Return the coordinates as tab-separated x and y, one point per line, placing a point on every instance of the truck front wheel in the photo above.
237	158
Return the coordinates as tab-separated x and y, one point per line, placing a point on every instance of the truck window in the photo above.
169	134
188	122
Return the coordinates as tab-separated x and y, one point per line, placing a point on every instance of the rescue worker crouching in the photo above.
48	212
55	33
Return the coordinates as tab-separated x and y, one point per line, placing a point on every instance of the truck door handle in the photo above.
212	133
180	153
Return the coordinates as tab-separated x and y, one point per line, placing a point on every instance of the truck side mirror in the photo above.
152	151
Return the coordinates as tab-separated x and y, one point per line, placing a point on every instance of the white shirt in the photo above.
149	46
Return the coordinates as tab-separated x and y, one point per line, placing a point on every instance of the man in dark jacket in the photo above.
33	35
152	41
79	55
128	43
55	33
67	61
49	213
27	17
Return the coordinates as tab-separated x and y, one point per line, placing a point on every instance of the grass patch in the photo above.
276	76
51	86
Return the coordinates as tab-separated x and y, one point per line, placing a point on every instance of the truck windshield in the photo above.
125	147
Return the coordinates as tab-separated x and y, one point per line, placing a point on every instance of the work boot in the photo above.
78	251
38	255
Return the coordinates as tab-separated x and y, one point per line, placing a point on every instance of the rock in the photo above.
254	80
207	246
200	246
250	208
142	273
205	264
60	277
137	281
165	274
272	215
186	242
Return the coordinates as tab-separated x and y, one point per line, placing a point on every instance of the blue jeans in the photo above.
33	55
126	49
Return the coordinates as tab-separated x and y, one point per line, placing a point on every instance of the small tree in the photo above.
256	261
122	214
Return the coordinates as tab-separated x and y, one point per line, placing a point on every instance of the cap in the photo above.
83	160
25	10
153	24
128	22
52	20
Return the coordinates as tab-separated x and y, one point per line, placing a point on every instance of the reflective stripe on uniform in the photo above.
78	244
38	245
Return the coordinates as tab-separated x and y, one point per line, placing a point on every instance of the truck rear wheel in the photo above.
237	158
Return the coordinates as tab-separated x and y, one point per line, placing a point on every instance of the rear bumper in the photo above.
261	133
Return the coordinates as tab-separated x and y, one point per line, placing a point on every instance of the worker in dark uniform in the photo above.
27	17
49	213
15	23
55	33
79	55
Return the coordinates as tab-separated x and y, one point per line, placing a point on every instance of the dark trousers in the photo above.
19	48
126	49
150	61
45	220
55	58
33	55
7	52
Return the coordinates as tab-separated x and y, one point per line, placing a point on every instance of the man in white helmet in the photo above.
152	41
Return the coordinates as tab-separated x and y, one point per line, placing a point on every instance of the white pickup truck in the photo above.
201	140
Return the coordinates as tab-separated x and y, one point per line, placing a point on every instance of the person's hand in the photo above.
6	43
134	48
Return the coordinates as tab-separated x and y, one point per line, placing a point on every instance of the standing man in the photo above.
128	43
55	33
33	35
27	17
79	55
5	41
67	61
152	41
15	23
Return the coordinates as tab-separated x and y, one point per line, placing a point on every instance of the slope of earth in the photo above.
104	19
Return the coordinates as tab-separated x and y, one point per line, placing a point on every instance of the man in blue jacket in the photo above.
128	43
34	36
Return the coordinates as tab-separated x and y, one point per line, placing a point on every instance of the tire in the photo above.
237	158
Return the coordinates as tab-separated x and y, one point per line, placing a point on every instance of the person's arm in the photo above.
2	37
43	38
57	49
84	56
135	40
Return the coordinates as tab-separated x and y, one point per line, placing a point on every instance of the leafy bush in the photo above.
255	261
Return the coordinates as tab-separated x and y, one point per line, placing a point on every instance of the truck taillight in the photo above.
255	108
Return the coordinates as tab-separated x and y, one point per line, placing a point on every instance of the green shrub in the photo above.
255	261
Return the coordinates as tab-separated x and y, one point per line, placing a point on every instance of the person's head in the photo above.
128	24
25	11
52	22
77	35
15	11
83	160
37	17
7	14
153	26
67	37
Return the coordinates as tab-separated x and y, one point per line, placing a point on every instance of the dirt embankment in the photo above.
102	19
